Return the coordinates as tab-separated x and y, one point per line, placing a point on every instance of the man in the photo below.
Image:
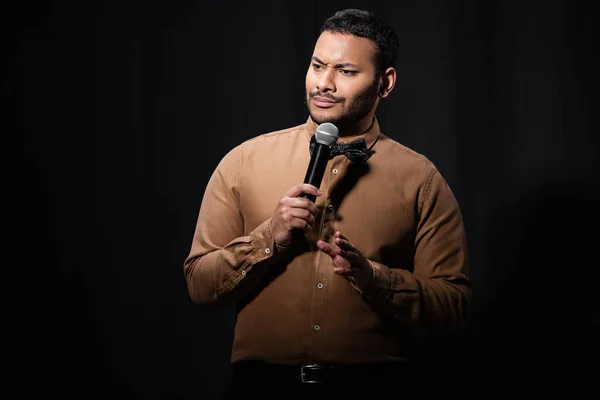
332	291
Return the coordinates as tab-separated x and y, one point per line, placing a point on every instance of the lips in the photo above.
323	102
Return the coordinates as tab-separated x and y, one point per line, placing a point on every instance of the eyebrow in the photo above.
340	65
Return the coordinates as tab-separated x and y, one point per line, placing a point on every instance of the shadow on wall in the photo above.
539	332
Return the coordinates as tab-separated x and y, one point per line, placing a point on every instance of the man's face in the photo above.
340	83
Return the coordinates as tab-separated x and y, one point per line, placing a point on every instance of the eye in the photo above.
347	72
317	67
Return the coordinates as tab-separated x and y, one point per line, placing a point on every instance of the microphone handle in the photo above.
316	168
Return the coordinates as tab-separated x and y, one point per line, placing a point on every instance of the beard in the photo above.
353	110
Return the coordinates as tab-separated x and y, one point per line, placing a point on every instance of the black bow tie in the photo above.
356	151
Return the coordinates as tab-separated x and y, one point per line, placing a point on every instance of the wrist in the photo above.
371	275
280	243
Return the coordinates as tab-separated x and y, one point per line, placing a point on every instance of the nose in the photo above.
326	82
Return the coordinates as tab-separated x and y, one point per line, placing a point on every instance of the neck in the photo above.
357	128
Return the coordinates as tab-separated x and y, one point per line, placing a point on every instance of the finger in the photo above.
339	234
353	258
349	252
302	214
301	224
300	202
301	188
340	262
345	256
328	249
344	244
350	257
341	266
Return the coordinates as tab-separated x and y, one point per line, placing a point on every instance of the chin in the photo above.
320	116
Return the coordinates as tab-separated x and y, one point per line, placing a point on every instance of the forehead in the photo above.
336	48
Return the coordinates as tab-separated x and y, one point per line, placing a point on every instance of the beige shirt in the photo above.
396	209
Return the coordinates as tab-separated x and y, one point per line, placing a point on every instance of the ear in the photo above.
387	83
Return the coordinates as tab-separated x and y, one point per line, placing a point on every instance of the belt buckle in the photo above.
313	367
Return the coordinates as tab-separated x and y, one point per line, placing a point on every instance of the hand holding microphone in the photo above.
296	209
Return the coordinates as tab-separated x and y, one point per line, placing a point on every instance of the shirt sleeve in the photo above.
436	294
224	263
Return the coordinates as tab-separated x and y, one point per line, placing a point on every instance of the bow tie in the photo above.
356	151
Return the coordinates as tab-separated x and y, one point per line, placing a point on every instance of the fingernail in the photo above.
319	192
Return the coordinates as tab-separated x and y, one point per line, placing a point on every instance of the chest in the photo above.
369	204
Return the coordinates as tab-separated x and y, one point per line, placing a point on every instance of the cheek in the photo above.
309	81
364	94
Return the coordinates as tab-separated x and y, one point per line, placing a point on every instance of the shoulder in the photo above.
419	173
273	136
263	144
399	155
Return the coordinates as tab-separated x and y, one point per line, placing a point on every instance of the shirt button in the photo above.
335	171
317	327
267	250
320	285
243	272
396	316
330	207
368	297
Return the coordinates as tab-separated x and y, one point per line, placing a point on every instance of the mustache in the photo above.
327	96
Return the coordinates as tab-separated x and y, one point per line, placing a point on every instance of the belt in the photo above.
320	373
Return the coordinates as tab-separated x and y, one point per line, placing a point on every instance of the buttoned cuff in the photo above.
262	247
381	283
262	242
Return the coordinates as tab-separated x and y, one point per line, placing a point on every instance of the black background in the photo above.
125	108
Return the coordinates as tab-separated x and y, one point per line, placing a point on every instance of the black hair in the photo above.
367	25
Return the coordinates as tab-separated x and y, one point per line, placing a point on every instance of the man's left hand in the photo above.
348	260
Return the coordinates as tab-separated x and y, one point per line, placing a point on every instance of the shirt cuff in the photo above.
262	242
381	283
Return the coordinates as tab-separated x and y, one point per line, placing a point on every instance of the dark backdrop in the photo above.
125	108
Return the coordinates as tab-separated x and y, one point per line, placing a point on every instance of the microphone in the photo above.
325	136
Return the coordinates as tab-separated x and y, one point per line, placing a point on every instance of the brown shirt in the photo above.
292	309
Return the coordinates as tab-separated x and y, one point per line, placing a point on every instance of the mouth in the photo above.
323	102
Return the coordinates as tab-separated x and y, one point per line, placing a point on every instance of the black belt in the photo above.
318	373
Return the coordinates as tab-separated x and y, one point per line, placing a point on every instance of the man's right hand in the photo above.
294	213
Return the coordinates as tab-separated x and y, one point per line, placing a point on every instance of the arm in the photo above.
223	263
436	294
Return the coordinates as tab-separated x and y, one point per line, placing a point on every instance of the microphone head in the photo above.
327	134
